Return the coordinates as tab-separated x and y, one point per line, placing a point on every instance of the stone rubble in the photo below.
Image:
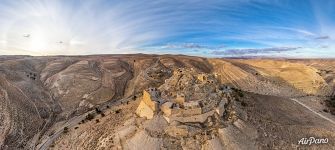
192	104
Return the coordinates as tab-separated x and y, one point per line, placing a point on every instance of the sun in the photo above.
38	42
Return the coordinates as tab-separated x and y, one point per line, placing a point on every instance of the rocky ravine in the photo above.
40	96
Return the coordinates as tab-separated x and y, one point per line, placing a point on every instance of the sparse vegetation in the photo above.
244	104
256	95
65	130
51	133
331	104
240	94
332	101
89	117
238	91
118	111
98	111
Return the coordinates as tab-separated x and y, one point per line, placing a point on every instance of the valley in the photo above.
93	102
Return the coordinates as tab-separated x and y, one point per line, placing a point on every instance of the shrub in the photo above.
66	130
51	133
240	94
238	91
332	101
97	110
89	117
331	104
326	110
244	104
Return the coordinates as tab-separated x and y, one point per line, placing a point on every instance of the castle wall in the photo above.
180	99
166	108
147	99
196	118
143	110
191	112
220	108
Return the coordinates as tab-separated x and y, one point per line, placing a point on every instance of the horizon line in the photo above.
155	54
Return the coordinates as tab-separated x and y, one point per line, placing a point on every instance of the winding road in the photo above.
146	76
75	120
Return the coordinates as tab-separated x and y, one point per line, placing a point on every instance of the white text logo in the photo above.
312	140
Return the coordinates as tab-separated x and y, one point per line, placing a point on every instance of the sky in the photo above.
211	28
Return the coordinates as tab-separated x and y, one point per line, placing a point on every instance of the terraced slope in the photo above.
253	79
298	75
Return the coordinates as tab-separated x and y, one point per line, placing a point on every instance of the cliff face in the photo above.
39	94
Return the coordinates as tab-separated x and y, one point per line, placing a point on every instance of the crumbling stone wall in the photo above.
148	100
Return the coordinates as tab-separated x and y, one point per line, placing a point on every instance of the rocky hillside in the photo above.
42	97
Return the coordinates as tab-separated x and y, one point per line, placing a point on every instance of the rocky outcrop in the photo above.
183	114
39	95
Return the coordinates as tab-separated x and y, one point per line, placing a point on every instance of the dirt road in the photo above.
74	121
310	109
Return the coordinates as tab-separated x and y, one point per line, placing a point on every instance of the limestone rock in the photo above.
143	110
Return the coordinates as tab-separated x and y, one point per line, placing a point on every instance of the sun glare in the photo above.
39	42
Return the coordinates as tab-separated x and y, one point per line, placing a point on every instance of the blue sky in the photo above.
211	28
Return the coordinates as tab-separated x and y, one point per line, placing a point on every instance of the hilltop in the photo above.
240	103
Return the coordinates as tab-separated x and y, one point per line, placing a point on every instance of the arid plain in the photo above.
98	102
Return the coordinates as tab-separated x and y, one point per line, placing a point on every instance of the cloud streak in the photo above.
254	51
194	46
164	26
100	26
322	38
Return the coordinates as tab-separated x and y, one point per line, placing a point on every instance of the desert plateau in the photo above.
165	102
167	75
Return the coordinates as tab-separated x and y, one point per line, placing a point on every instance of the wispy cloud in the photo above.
165	26
195	46
99	26
322	37
324	46
254	51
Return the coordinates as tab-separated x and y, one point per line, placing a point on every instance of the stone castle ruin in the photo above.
188	97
